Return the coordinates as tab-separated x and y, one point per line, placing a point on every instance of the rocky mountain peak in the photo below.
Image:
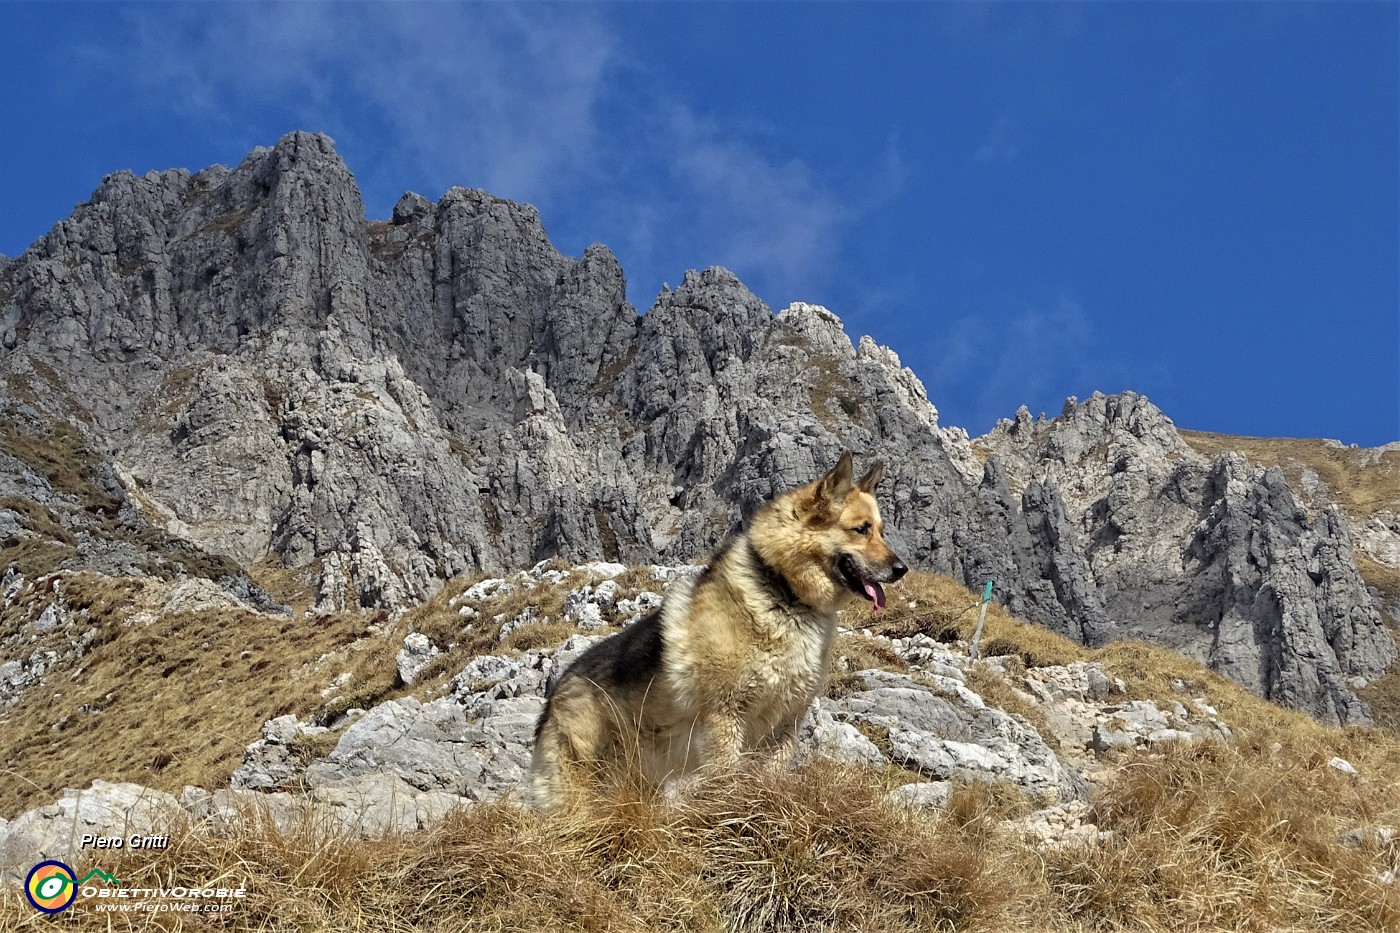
384	404
1101	425
818	326
726	319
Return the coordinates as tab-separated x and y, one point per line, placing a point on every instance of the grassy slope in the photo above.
170	699
83	509
1243	837
162	699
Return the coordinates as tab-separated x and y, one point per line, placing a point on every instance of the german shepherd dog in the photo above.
730	662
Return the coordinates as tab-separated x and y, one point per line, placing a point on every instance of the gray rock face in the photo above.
1214	559
437	746
1086	713
929	794
397	402
1282	595
272	761
475	743
951	733
417	653
822	735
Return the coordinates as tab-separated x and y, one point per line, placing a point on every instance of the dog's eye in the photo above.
862	529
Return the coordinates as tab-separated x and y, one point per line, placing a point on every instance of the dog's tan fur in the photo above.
732	660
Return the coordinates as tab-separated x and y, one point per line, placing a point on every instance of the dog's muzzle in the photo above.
865	582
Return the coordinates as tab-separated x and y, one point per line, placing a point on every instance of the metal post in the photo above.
981	617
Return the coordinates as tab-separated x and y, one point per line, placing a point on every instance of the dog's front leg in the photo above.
724	739
782	746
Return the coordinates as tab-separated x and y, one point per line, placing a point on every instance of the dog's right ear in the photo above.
869	481
836	485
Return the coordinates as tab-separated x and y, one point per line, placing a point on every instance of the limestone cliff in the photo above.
270	377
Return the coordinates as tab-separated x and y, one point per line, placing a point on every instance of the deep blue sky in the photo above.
1194	201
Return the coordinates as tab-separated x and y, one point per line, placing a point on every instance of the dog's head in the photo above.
828	539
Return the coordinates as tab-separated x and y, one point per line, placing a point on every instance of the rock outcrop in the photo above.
393	403
1215	559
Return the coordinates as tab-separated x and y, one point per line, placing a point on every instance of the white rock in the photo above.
1375	835
605	569
417	653
588	617
820	734
104	809
1342	765
606	593
491	586
374	805
530	615
238	807
931	795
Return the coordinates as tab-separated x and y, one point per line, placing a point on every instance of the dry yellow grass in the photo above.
290	586
60	457
815	850
946	611
936	606
1226	838
1383	694
1359	490
1386	579
58	453
165	700
853	653
174	698
1206	837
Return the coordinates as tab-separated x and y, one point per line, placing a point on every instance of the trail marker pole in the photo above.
981	617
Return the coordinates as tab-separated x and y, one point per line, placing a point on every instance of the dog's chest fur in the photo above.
749	649
789	655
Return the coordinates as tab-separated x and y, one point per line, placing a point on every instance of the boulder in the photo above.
105	809
950	733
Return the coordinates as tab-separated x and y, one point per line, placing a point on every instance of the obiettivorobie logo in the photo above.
53	887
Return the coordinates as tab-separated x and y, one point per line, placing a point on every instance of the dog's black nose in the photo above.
898	570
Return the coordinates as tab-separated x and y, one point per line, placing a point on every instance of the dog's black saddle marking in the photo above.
627	659
771	579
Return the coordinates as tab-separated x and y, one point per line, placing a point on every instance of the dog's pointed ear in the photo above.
836	485
870	480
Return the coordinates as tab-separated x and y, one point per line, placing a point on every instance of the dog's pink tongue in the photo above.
876	594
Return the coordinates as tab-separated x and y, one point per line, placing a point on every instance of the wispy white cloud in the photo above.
533	102
505	97
768	214
498	96
1038	355
746	201
207	64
